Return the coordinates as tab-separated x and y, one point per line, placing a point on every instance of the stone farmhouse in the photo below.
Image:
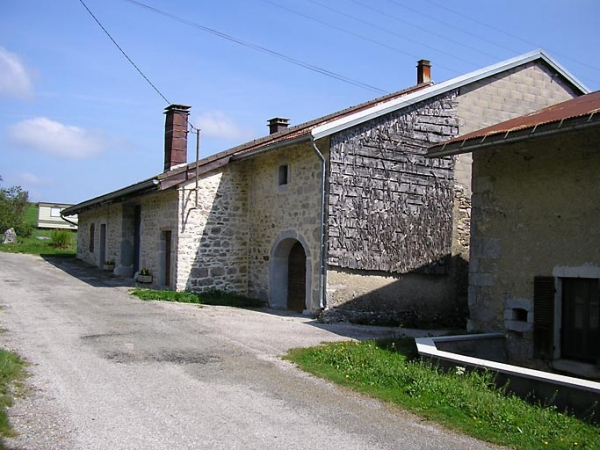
344	213
535	242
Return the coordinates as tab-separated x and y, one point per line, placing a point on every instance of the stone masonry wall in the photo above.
510	94
158	214
213	233
277	211
110	216
534	210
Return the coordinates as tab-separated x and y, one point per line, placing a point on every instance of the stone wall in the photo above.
533	213
158	214
109	216
279	212
213	232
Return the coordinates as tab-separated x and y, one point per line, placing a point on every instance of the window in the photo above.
92	236
567	318
55	211
580	319
283	175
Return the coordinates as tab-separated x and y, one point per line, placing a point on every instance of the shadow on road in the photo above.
87	273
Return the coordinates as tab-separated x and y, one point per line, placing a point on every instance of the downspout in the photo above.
322	234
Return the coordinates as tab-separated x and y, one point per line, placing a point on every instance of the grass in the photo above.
40	242
212	297
465	401
12	372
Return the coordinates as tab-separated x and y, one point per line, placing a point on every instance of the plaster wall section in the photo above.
213	232
535	209
283	210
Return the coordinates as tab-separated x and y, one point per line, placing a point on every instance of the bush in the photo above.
13	203
60	238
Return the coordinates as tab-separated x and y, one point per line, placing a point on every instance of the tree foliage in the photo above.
13	204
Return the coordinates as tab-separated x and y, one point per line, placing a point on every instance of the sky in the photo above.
78	120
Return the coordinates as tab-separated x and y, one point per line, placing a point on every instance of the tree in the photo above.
13	204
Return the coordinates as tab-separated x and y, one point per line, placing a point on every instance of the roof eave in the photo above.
129	191
510	137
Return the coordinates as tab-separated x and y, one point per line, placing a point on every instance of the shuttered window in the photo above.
543	310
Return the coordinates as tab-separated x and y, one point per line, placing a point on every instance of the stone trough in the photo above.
487	351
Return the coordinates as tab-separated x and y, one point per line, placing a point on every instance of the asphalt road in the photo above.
112	372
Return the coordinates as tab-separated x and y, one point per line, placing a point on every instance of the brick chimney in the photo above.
277	124
176	125
423	71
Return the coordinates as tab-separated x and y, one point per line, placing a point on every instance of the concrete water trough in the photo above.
487	352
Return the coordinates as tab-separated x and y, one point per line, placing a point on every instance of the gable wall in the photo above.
535	209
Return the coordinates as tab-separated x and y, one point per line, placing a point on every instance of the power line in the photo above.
360	36
447	24
259	48
427	30
506	33
123	52
132	63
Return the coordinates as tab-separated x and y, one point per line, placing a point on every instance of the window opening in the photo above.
283	175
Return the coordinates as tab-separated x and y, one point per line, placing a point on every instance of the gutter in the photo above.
509	137
103	199
322	233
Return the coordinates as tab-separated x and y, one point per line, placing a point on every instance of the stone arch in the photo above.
278	270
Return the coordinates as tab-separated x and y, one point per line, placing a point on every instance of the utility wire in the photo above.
259	48
429	31
506	33
447	24
360	36
132	63
123	52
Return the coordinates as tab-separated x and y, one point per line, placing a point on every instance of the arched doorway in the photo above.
290	273
296	295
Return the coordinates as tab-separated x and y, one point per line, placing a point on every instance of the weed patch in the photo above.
466	401
12	372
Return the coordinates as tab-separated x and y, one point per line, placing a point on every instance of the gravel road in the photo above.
112	372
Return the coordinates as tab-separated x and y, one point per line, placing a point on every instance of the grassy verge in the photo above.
12	372
40	241
465	401
213	297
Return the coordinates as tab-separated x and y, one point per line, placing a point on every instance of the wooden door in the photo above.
296	300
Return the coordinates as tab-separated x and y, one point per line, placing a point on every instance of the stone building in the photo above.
342	213
535	243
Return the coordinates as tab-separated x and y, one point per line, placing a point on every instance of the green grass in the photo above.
12	372
36	246
212	297
465	401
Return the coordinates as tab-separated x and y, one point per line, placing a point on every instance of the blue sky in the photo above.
77	120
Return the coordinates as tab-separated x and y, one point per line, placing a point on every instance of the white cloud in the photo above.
32	179
218	125
53	138
14	79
